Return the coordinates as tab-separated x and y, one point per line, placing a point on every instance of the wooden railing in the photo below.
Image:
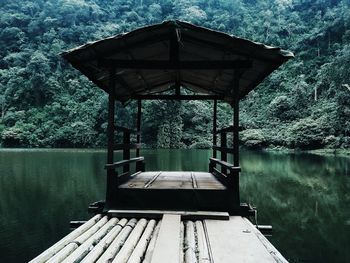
127	146
226	171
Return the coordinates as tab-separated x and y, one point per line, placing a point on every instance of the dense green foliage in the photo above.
46	103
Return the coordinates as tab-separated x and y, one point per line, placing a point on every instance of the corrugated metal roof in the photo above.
154	43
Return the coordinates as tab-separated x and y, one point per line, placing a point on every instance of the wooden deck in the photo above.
170	190
170	238
173	180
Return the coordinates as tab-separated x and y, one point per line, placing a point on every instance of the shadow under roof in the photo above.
161	57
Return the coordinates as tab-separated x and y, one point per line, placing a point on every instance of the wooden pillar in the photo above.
235	176
126	150
223	144
214	127
138	136
111	176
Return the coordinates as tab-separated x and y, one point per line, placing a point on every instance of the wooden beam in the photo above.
185	215
178	97
223	142
214	126
126	151
167	247
123	162
168	65
234	184
112	180
138	127
227	165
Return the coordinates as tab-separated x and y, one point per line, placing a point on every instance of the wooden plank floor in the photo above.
175	180
170	239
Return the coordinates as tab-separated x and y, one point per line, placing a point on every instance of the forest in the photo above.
44	102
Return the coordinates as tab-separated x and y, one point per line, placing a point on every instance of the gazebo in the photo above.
174	60
165	216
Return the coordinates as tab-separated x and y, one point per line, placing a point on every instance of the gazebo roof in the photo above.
175	54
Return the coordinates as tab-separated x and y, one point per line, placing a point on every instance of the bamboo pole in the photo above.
118	242
98	250
86	235
68	249
131	242
50	252
152	244
182	234
63	253
190	243
140	249
87	246
203	251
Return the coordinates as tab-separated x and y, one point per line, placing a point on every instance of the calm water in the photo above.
305	197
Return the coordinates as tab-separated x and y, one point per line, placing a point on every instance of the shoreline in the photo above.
324	151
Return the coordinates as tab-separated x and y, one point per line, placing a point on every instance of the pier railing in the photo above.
226	171
124	164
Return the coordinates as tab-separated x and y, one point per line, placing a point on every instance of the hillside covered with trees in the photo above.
44	102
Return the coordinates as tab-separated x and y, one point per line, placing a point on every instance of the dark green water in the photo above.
305	197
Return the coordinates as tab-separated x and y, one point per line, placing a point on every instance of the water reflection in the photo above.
305	197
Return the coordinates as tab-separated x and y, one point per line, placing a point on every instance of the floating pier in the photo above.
158	237
166	216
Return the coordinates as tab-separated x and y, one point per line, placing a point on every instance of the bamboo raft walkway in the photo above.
157	237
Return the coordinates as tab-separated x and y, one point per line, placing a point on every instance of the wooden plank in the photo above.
207	181
235	241
138	181
152	180
269	247
167	247
172	199
176	180
181	180
152	244
123	162
229	166
185	215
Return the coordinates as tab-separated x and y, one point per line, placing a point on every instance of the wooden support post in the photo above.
112	180
223	139
235	175
126	151
214	126
138	136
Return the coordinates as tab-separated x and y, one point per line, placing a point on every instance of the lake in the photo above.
305	197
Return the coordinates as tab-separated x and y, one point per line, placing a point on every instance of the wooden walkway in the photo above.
171	180
170	190
165	237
